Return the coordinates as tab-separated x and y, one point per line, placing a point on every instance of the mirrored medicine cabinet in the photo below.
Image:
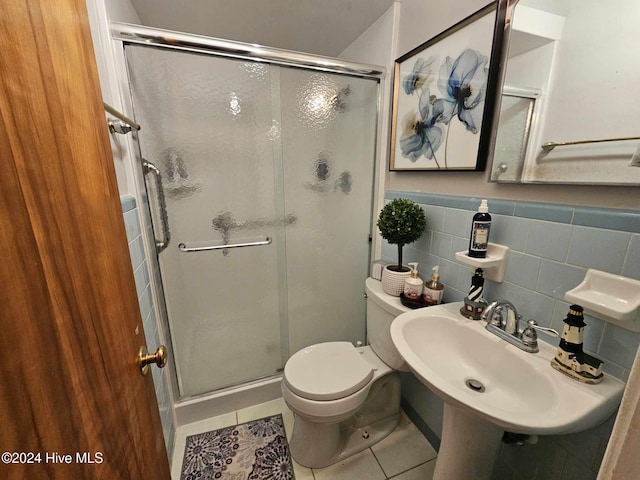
570	103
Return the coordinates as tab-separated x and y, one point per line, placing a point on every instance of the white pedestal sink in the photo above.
490	386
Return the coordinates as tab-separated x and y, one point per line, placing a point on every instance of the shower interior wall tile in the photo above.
146	311
131	224
551	247
151	331
141	277
148	314
136	251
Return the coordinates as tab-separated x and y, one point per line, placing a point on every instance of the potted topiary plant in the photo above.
400	222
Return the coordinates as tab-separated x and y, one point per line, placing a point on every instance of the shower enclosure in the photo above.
260	176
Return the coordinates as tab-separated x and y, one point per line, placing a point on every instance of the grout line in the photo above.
570	246
378	462
412	468
627	254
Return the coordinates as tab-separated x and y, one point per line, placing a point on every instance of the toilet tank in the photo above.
382	308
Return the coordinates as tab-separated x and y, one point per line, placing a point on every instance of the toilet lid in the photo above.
327	371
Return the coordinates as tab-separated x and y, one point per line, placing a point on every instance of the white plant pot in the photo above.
393	282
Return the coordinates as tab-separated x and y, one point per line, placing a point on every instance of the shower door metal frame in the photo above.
156	37
125	33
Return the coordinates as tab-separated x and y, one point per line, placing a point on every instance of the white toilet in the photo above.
346	398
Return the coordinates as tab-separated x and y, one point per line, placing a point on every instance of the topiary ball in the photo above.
401	222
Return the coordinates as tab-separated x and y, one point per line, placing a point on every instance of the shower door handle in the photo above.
149	167
183	247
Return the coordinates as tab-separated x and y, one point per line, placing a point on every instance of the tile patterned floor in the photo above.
403	455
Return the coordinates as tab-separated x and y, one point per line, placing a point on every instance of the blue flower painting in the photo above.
445	95
461	83
421	74
422	131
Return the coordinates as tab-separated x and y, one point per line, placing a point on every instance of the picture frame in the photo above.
445	95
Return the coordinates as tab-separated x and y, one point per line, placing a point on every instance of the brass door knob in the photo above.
145	359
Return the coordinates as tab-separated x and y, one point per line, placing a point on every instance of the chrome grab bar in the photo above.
547	147
149	167
119	128
183	247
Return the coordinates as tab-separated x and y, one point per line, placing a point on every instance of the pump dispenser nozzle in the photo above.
413	284
436	273
414	269
433	289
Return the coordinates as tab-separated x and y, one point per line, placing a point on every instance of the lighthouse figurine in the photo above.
474	303
570	359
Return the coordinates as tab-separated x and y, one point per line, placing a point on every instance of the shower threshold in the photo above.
226	400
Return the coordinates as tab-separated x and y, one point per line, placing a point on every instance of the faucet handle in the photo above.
529	335
533	324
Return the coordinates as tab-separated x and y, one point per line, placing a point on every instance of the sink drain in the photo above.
475	385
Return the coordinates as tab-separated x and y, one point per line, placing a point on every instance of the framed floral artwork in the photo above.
445	95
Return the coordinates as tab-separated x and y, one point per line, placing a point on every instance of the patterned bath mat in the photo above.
256	450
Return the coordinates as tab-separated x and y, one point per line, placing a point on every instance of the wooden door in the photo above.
72	400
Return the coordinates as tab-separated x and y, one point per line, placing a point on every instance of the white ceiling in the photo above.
323	27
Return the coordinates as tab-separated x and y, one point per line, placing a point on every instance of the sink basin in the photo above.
487	382
523	393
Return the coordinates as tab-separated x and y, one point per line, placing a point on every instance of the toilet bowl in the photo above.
345	398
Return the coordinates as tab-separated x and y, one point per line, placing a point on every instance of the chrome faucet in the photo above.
503	320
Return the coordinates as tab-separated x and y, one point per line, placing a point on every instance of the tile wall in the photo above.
551	247
147	311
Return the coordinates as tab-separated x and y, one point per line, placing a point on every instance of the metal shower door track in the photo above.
157	37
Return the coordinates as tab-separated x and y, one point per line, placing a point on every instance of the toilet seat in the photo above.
327	371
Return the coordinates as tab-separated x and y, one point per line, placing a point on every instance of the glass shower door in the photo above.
329	124
275	166
207	127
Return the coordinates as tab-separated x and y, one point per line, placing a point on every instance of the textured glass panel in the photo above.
205	123
248	150
512	138
328	143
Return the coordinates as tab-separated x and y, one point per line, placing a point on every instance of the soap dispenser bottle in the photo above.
480	226
433	289
413	284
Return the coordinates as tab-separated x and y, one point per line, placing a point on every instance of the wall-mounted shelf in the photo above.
493	266
612	298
